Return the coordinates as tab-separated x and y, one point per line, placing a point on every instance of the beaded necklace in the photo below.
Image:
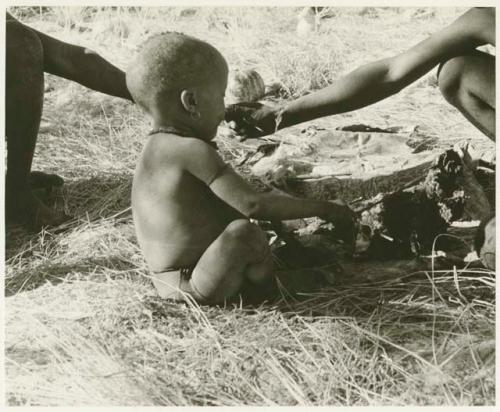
171	130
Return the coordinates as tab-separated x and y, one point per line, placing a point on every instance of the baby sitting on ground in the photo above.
191	210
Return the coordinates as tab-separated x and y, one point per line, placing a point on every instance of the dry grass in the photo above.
83	324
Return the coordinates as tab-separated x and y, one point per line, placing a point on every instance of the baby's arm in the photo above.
205	163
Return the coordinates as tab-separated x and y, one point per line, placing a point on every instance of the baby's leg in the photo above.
240	252
24	103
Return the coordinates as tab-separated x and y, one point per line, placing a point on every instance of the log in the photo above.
349	189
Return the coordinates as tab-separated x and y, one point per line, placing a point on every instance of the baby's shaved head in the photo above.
169	63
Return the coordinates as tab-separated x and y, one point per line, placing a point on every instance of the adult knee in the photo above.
24	47
24	67
245	237
450	78
24	83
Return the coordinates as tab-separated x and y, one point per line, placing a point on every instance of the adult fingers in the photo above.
245	128
235	112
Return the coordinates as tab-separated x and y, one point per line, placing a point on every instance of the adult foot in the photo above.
41	180
26	209
485	242
477	205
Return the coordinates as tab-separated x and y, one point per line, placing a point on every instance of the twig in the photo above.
372	204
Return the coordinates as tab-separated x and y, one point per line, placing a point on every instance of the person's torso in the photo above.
176	215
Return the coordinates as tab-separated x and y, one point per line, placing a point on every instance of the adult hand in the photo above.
251	120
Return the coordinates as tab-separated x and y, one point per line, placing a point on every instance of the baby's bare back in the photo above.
176	215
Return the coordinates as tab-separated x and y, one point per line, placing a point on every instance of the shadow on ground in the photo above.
32	278
86	200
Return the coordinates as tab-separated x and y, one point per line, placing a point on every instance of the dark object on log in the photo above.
406	223
442	179
360	127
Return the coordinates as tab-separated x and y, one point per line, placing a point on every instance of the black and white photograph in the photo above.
249	205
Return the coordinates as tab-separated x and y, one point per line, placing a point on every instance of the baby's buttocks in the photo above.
161	256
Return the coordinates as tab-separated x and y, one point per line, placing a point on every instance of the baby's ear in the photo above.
189	100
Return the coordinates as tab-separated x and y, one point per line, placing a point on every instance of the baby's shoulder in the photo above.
176	150
161	146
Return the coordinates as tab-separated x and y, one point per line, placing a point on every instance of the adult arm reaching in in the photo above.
465	77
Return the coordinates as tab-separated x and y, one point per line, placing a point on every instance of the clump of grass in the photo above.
285	65
415	339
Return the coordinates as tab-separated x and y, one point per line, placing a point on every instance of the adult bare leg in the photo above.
24	103
468	83
80	64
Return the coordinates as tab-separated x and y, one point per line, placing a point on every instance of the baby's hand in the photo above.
344	220
337	212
